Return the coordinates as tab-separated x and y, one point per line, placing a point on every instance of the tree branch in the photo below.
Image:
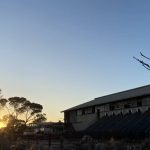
144	56
145	65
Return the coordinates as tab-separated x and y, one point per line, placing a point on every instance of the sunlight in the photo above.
2	125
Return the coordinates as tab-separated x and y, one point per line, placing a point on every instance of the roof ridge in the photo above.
123	91
108	99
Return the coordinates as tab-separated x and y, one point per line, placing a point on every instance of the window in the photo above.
127	106
93	109
139	103
88	110
112	107
79	112
117	106
98	113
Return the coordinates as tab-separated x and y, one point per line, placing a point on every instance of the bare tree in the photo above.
144	64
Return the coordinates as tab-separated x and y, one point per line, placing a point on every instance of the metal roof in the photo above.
132	93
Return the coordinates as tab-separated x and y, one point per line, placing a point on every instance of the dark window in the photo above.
83	112
98	113
89	110
117	107
112	107
93	109
139	103
79	112
126	106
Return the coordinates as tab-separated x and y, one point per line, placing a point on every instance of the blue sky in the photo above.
63	53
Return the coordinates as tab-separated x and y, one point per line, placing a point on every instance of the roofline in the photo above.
73	108
70	109
123	91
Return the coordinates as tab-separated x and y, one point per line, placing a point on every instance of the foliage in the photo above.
39	118
18	112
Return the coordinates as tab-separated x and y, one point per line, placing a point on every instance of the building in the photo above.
44	130
86	115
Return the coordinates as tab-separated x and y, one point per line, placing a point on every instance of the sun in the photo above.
2	125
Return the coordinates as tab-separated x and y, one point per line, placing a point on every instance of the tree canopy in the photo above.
20	111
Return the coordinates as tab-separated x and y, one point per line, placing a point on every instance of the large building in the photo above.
83	116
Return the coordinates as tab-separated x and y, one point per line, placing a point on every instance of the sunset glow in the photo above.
2	125
63	53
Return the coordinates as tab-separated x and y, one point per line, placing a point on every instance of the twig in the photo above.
144	56
145	65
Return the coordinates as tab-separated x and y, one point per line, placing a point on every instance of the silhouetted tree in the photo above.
18	112
39	118
19	109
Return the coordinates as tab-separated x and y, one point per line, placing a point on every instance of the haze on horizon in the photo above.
63	53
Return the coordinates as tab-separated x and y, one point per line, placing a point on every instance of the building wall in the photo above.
73	116
84	117
146	100
81	119
141	104
84	121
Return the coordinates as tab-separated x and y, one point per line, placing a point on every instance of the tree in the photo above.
21	110
18	112
145	65
32	111
39	118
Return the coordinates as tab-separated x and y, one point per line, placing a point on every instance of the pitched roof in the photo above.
137	92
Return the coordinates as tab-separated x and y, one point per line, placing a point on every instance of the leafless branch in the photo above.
145	65
144	56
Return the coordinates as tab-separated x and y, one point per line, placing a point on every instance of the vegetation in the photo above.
17	112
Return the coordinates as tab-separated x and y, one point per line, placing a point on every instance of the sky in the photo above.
61	53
